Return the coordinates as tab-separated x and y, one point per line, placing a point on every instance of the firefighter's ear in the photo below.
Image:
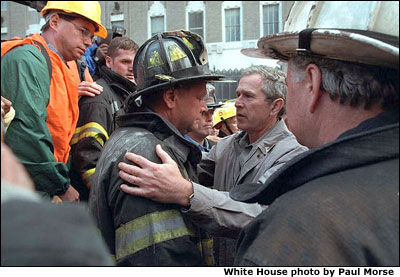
313	86
170	97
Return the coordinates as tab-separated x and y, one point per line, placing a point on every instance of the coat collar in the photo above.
164	131
267	141
329	159
118	83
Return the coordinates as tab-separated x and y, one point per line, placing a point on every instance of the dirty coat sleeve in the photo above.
219	214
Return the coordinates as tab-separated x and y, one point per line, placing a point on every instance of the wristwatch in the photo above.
190	199
185	209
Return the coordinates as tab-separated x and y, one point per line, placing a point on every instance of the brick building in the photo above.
226	26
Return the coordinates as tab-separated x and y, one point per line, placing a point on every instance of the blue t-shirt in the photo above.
205	148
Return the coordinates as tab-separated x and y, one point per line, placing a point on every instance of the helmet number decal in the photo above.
176	53
155	59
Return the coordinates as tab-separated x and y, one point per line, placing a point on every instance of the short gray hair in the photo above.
273	83
352	81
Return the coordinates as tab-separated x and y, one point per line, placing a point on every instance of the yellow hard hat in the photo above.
87	9
220	114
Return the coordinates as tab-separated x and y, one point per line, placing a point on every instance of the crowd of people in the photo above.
302	171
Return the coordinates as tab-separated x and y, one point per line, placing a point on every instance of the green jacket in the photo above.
25	82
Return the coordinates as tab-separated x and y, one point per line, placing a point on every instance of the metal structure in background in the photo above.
226	90
37	5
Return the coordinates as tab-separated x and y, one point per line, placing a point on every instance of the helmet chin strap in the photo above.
227	127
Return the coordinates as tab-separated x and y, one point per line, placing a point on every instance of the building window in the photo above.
232	25
118	24
157	25
156	19
195	18
4	35
196	24
117	20
3	5
270	19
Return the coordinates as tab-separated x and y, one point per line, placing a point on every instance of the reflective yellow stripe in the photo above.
91	125
94	135
88	173
148	230
208	251
209	260
91	129
151	240
87	177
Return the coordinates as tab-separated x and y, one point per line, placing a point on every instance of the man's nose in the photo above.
209	117
88	43
203	107
238	101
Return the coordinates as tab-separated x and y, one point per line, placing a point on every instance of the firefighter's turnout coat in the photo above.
335	205
138	231
96	124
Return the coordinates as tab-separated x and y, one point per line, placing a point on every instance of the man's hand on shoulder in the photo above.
90	89
159	182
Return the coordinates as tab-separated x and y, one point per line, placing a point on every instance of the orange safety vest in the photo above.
62	110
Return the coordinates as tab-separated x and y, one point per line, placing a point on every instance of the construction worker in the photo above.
338	204
203	125
171	71
224	119
44	92
97	115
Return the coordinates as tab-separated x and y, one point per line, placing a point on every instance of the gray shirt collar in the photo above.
55	50
267	140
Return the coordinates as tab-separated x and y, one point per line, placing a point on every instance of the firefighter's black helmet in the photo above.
170	58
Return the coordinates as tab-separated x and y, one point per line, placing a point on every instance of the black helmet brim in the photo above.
174	82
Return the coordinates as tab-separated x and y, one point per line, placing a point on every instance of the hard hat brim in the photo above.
213	106
102	31
331	44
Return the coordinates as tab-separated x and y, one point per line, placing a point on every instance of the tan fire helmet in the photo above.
365	32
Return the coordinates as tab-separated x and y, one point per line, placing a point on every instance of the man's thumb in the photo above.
165	158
